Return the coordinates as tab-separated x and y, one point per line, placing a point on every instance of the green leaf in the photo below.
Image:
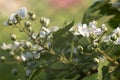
91	77
103	8
62	38
57	35
90	13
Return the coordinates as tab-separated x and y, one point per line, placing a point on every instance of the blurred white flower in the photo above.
45	29
117	31
22	12
82	30
26	56
29	56
86	31
12	17
28	72
5	46
53	29
42	34
105	39
117	42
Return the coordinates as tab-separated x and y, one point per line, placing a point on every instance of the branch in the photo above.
107	57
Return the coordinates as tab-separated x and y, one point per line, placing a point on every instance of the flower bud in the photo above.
27	45
33	17
29	29
18	58
15	22
2	58
80	48
30	13
44	21
27	24
95	44
113	37
13	37
12	53
104	28
118	33
96	60
9	22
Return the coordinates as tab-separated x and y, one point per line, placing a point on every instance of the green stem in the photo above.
107	57
72	50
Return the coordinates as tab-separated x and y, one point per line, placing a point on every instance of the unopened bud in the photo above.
12	53
2	58
29	29
104	28
33	17
27	45
95	44
44	21
80	48
27	24
13	37
113	37
9	22
30	13
15	22
18	58
118	33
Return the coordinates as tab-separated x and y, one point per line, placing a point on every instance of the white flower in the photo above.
16	45
93	24
93	29
12	17
86	31
22	12
6	46
83	30
53	29
26	56
36	55
45	29
117	31
34	35
42	34
29	56
105	39
117	42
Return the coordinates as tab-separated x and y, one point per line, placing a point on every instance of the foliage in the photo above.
101	8
72	52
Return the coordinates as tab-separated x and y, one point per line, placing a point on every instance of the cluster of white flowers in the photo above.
19	14
94	31
86	31
115	36
29	56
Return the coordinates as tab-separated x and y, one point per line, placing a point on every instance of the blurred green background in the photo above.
59	12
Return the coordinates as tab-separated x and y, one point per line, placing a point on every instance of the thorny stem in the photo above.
107	57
